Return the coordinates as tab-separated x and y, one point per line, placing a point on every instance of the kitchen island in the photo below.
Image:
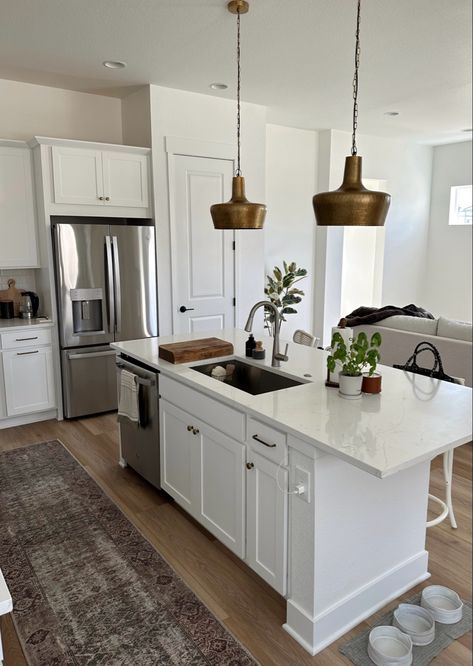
326	499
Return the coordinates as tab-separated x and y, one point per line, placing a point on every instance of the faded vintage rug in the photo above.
87	588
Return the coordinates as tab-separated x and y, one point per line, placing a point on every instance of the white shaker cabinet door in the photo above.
179	456
125	179
29	380
266	544
222	487
3	404
18	245
77	176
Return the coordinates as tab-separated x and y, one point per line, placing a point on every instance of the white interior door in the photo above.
203	271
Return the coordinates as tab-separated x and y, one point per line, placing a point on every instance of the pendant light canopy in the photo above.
352	204
238	213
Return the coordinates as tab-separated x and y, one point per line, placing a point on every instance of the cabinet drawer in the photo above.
220	416
30	337
267	441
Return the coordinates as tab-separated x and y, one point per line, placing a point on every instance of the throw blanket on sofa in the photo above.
366	315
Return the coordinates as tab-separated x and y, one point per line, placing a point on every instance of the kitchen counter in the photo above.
414	418
346	533
17	324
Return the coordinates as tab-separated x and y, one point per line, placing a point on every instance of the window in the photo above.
460	205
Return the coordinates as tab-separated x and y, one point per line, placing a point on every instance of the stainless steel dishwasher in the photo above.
139	442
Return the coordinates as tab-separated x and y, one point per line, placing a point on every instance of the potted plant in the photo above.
281	291
354	358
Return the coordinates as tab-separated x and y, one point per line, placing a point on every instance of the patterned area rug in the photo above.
87	588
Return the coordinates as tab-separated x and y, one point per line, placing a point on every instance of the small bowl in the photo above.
389	646
444	604
416	622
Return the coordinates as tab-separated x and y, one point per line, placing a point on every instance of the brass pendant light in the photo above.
238	213
352	204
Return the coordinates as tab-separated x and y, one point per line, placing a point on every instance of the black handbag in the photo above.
437	371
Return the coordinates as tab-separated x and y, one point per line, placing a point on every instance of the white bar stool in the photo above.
6	606
447	505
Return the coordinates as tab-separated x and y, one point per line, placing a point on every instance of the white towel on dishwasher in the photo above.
128	405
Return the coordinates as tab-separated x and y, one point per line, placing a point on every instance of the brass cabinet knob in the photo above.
101	198
189	428
195	431
107	198
250	465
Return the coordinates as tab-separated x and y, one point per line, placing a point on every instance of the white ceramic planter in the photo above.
350	387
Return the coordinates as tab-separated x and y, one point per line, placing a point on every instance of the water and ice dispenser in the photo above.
87	311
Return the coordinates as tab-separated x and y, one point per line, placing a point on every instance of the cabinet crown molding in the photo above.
96	145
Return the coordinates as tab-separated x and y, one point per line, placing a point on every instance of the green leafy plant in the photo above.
281	291
360	353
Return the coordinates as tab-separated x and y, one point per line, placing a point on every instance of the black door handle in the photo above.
184	309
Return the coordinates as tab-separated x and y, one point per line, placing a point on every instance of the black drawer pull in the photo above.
270	446
25	353
24	339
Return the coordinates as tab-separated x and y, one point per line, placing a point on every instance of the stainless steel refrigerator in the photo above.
106	291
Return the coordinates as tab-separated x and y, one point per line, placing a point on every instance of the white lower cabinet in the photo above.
266	520
3	405
204	471
29	380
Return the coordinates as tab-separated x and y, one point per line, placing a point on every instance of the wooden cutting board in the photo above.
195	350
12	294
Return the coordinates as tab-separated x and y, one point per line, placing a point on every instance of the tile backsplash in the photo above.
25	278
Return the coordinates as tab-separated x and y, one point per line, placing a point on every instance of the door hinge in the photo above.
233	246
234	302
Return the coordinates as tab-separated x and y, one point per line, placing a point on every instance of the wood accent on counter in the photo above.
195	350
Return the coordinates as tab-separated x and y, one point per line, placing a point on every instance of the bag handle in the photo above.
411	364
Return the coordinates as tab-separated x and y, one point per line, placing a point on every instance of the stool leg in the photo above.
448	474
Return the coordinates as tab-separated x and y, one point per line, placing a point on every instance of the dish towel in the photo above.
128	405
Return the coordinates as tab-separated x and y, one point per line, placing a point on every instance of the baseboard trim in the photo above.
24	419
317	633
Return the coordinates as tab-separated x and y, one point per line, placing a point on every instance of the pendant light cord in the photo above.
354	149
238	169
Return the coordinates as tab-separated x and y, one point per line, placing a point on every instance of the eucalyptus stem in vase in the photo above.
281	291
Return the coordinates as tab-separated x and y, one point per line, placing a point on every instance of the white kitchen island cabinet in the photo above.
336	491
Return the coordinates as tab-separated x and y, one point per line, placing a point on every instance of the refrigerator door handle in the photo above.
110	297
118	291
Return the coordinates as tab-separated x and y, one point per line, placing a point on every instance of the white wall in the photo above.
407	169
291	156
27	110
136	118
448	290
179	113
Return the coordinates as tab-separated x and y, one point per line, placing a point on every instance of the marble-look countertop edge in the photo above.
19	324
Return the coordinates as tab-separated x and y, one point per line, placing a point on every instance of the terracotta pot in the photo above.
350	387
371	384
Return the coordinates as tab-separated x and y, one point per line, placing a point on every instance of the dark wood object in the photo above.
195	350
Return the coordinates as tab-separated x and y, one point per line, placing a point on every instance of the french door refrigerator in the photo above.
106	291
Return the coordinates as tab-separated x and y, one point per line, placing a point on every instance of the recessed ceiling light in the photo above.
218	86
391	113
114	64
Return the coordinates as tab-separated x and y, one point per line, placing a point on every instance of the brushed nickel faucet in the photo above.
277	357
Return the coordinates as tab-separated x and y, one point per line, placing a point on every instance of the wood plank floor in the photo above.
250	609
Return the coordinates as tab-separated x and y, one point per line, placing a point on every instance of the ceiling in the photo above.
297	56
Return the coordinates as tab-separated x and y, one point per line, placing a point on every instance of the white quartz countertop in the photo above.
411	421
17	324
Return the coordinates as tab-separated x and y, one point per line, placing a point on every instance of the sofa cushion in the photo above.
458	330
413	324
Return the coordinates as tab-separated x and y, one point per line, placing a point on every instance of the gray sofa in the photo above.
452	338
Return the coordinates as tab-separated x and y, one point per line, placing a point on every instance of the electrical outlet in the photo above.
302	478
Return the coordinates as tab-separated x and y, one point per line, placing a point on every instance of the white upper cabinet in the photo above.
18	245
77	176
125	179
83	176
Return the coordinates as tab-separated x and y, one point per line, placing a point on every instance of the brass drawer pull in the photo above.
190	428
24	339
195	431
250	465
270	446
25	353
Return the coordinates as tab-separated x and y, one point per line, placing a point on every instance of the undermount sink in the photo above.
250	378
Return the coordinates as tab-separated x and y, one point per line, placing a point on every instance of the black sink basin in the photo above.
250	378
